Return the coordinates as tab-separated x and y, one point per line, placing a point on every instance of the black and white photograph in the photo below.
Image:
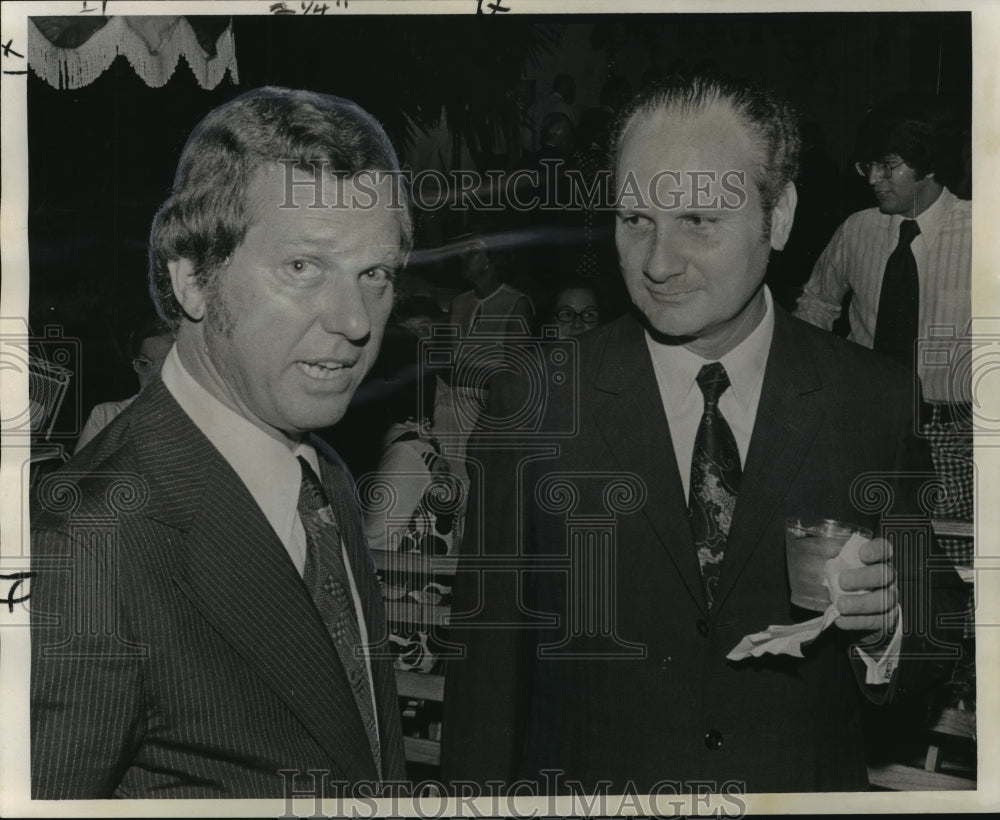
473	408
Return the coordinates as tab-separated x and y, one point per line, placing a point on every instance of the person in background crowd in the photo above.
907	264
575	309
485	317
412	461
561	100
148	347
491	306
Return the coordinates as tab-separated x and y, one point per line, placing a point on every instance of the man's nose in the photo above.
664	258
344	310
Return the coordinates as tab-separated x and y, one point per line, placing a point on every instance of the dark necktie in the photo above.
896	327
715	478
326	579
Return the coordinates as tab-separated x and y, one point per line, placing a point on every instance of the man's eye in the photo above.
378	276
697	220
302	269
631	220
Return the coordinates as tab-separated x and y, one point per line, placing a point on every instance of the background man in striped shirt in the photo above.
912	303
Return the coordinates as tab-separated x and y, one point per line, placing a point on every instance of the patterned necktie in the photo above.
326	579
715	478
896	327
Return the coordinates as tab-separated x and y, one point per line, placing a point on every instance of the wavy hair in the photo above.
208	213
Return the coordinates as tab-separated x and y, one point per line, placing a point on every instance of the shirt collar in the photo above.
744	364
930	220
267	467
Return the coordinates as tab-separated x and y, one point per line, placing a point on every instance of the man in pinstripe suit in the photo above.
176	650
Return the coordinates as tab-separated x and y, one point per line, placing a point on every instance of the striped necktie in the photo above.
326	579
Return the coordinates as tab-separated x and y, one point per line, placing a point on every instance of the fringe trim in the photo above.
74	68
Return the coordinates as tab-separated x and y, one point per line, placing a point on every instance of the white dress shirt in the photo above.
676	370
855	261
269	469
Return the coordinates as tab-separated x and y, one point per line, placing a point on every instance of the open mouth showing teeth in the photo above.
324	370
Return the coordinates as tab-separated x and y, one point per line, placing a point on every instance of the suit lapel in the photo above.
788	416
235	571
630	415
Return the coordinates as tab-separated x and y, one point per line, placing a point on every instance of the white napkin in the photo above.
789	639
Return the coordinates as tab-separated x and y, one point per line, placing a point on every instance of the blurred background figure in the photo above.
575	309
490	306
561	100
556	137
418	315
148	345
428	496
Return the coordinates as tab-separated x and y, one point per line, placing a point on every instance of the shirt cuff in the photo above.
880	671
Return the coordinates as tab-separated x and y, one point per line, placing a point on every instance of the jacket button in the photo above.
702	626
713	739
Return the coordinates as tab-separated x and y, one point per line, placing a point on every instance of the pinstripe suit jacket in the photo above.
175	650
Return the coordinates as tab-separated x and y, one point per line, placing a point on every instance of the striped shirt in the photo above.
855	261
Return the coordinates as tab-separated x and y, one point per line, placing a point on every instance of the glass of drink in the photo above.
809	544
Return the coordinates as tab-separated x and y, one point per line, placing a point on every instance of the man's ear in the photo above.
783	215
186	288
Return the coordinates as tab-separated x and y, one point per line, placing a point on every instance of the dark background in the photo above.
101	158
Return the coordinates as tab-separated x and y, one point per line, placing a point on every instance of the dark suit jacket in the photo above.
176	651
618	672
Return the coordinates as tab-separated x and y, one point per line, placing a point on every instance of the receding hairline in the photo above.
715	103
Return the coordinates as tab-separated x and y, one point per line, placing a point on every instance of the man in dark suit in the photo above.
617	552
206	616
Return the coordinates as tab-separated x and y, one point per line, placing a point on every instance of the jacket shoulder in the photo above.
839	360
109	476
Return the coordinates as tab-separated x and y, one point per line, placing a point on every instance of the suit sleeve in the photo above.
86	679
932	595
